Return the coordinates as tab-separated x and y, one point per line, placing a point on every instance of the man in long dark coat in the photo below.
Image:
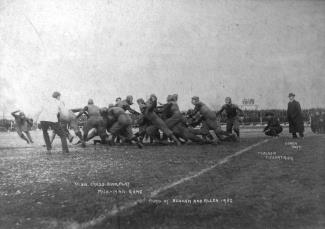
295	118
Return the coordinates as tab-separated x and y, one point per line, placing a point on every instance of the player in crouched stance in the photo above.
273	127
119	123
210	122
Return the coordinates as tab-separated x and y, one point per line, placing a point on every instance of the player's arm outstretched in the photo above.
14	113
83	111
221	110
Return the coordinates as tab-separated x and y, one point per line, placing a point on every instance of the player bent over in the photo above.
95	120
23	125
119	124
126	104
146	129
176	121
273	127
156	121
210	121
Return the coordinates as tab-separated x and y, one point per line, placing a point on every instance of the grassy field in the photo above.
278	184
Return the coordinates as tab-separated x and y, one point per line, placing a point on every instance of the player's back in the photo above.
123	104
116	111
93	110
206	112
175	108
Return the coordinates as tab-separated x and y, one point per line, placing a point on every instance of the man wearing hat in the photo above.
295	118
273	127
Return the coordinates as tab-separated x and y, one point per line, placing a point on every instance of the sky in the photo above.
103	49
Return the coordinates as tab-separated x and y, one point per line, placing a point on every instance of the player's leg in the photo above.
131	137
279	130
236	126
163	127
64	127
186	134
153	133
142	132
93	132
229	125
52	136
63	136
21	135
29	137
74	126
115	131
173	121
221	134
88	126
271	132
205	132
45	126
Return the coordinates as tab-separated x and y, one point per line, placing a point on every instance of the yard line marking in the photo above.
153	194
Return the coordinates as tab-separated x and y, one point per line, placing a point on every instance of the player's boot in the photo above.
110	140
139	144
234	138
137	141
178	143
23	137
83	143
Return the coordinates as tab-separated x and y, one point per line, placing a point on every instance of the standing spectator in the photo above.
315	122
295	118
49	119
322	122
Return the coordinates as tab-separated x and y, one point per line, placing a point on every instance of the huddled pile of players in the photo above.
155	119
160	123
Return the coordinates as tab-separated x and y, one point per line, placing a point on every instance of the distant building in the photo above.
248	104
